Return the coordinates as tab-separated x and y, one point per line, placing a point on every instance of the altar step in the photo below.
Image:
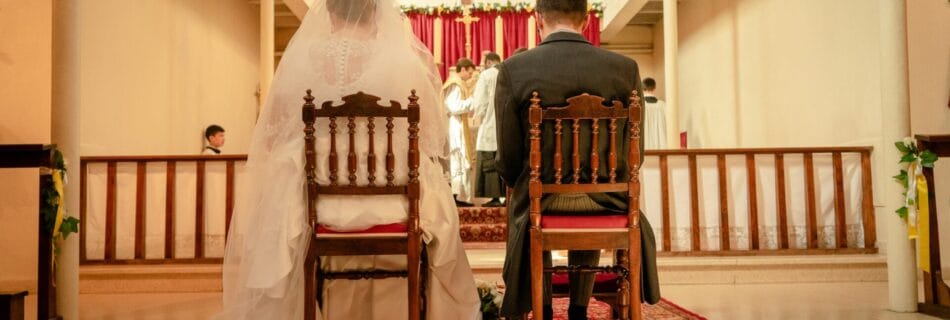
487	264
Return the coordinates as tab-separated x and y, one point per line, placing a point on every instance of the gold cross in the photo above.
467	19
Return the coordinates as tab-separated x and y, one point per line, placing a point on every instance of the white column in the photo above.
267	47
65	134
901	258
670	47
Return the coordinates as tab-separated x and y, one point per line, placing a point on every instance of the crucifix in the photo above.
467	19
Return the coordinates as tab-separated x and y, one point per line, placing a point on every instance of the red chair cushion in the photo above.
584	222
382	228
603	282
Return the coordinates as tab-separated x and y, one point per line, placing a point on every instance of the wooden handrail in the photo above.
744	151
170	215
161	158
750	158
24	156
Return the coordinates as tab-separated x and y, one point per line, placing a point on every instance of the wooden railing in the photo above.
664	162
780	203
169	255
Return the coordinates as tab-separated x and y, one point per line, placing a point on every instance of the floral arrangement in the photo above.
522	6
912	161
491	299
53	208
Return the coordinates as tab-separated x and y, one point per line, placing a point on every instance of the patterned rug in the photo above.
597	310
480	224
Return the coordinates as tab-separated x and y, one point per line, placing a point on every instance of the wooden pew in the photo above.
936	292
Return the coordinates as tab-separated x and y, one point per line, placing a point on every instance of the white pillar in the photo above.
670	47
65	134
267	47
901	258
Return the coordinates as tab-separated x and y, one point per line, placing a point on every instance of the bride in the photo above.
342	46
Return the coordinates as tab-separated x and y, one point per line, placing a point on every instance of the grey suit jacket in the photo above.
564	65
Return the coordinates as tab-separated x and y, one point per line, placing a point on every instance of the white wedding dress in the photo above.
343	46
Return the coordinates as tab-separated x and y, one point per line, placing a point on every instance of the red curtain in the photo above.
516	31
483	35
423	25
592	33
453	42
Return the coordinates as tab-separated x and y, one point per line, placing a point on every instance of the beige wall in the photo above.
928	47
780	73
637	43
154	74
928	52
25	84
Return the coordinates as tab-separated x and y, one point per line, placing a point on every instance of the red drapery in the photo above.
592	33
516	31
453	42
483	35
423	25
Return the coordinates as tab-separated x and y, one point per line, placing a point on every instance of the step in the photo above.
488	259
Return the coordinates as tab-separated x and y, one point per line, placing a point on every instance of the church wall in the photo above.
785	74
154	74
780	73
928	24
25	86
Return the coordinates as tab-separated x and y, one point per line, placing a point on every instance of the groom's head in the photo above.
561	14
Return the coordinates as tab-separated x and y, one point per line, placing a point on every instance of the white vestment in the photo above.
484	105
460	158
654	136
269	234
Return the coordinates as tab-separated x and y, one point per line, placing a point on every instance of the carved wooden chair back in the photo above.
407	239
588	178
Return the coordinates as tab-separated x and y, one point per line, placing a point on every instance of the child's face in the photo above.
217	140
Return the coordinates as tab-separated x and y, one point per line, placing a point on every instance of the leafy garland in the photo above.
53	210
910	155
595	7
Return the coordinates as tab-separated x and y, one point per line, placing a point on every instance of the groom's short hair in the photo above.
555	10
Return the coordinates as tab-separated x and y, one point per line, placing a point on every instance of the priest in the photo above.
457	93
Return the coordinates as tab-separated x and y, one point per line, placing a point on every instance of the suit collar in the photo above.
565	36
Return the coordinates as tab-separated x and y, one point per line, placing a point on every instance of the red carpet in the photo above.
596	310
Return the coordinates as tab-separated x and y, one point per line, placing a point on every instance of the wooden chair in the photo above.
617	232
379	240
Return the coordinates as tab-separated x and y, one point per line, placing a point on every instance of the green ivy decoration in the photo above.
910	154
55	222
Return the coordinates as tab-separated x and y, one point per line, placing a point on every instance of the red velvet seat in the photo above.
583	222
382	228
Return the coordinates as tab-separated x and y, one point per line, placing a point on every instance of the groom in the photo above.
565	64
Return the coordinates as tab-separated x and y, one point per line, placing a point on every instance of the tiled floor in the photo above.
865	300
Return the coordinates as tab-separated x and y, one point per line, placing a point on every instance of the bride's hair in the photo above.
358	12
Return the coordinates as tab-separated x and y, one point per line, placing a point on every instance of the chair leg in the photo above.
319	286
635	283
623	291
537	274
413	266
310	287
424	287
